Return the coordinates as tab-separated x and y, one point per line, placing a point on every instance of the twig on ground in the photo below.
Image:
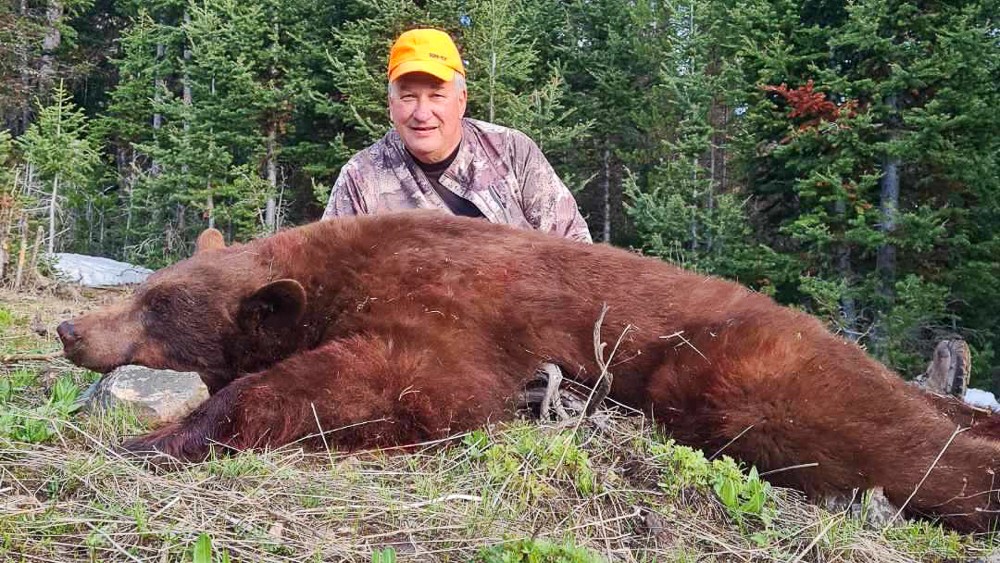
789	468
819	536
552	398
117	546
729	443
444	498
319	426
606	378
680	334
14	358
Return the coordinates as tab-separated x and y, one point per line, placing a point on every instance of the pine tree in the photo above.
875	201
508	83
686	202
58	148
6	168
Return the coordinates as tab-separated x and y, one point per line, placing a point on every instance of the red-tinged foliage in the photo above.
810	106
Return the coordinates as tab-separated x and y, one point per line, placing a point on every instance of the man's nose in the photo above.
423	111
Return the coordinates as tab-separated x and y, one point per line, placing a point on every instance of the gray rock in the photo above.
157	395
872	507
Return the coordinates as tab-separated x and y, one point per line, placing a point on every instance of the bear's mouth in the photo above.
78	357
81	355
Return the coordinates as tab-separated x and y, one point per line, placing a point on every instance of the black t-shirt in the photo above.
458	205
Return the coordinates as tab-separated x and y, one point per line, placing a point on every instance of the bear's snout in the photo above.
67	333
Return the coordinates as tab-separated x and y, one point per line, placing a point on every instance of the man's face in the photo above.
427	113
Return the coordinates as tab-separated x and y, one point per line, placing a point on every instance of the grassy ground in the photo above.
524	491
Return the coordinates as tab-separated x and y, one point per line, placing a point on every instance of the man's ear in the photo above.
276	306
209	239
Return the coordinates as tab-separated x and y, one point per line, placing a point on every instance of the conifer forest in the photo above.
843	157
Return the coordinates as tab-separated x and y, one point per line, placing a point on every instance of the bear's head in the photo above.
220	313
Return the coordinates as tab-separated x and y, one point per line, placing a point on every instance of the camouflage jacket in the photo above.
499	170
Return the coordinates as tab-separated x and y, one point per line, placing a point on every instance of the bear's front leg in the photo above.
211	425
359	392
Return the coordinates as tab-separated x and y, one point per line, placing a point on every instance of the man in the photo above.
434	158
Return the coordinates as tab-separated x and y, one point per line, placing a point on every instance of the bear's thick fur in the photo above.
410	327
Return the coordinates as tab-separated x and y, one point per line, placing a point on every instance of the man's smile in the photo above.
422	130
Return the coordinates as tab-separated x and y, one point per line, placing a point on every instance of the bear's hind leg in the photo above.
832	425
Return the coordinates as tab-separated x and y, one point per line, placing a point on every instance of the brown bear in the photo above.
383	331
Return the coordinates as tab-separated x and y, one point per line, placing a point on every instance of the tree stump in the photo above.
948	373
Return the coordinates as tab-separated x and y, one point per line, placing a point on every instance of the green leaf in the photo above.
202	552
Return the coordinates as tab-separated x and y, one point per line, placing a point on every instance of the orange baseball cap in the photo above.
425	50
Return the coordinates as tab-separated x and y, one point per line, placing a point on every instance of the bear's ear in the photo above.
209	239
274	306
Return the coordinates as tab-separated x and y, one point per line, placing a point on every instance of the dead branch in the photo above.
33	265
605	379
15	358
23	227
552	397
603	386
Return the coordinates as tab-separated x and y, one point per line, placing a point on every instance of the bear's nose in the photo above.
67	333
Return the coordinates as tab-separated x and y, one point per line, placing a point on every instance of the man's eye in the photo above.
407	97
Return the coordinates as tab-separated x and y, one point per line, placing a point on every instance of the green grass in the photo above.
537	551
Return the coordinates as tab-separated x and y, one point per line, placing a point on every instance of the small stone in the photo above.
873	507
158	396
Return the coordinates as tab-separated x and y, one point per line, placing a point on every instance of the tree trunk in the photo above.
948	372
694	206
848	308
885	258
606	188
52	214
19	117
159	86
493	81
33	264
271	211
129	187
7	216
22	252
187	60
885	261
50	42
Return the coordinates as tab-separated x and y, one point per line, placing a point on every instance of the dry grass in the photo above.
617	489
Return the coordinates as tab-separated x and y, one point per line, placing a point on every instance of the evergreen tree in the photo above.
688	205
58	148
6	168
874	203
508	83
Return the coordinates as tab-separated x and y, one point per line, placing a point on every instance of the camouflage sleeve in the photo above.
547	202
345	197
